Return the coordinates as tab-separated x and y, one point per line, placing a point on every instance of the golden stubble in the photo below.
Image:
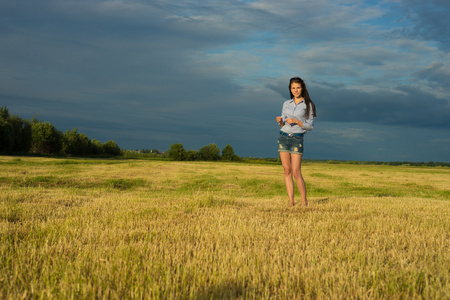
161	229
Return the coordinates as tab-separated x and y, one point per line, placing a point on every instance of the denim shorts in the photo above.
293	145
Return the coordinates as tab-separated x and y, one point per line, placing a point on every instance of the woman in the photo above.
296	118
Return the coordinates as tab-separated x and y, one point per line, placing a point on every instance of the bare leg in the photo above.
286	162
296	164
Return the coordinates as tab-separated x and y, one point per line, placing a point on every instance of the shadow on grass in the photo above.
320	200
225	290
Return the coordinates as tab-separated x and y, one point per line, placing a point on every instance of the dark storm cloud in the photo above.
406	106
429	20
100	54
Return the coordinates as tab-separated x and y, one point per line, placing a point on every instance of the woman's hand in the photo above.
294	121
280	121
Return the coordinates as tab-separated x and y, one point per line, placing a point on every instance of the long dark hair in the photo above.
309	104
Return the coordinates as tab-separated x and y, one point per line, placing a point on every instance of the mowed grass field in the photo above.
139	229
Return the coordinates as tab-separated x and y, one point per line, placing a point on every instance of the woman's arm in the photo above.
307	124
280	121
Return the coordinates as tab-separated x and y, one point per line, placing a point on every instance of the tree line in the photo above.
209	152
20	136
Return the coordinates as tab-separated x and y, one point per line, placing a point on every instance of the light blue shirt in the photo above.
296	111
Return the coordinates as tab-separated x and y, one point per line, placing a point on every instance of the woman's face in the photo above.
296	89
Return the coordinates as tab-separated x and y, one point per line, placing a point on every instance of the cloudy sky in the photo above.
150	73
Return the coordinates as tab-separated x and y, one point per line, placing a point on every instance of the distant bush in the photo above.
6	136
177	152
22	134
228	152
46	139
75	143
15	133
97	147
210	152
192	155
111	148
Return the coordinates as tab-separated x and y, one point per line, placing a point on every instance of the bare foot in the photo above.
291	204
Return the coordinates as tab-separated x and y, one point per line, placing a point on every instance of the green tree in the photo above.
192	155
228	153
111	148
75	143
22	134
86	144
15	133
210	152
177	152
46	139
6	130
6	135
97	147
4	113
237	158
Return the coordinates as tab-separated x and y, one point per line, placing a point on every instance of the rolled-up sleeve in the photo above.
283	112
308	124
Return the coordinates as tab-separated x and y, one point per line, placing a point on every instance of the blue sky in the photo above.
148	74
